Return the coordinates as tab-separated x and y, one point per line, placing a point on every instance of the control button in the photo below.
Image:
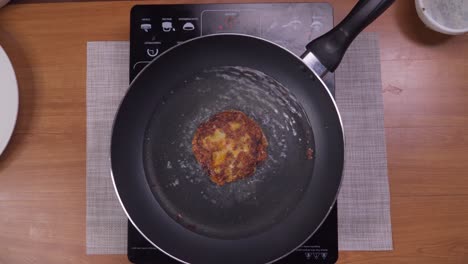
231	21
316	26
152	52
188	26
293	24
167	26
145	27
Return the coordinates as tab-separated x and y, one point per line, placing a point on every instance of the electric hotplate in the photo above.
155	28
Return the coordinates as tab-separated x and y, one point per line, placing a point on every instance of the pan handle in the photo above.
325	53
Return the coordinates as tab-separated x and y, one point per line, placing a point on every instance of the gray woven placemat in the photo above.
364	201
107	81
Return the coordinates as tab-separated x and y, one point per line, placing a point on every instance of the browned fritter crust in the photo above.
229	146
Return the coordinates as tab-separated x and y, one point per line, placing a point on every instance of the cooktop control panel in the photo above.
156	28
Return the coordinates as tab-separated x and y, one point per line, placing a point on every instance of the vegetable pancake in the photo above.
229	146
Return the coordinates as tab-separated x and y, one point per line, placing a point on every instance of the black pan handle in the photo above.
330	48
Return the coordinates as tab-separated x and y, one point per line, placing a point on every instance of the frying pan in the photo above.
170	199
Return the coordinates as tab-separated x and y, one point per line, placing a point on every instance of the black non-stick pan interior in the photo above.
247	206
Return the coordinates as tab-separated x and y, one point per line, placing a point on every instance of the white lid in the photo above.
445	16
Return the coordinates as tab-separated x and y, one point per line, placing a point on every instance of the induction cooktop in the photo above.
156	28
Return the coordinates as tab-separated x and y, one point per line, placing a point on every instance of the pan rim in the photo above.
324	86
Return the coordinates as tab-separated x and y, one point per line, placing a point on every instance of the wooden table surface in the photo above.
42	172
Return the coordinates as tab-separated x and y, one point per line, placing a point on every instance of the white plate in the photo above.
8	100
